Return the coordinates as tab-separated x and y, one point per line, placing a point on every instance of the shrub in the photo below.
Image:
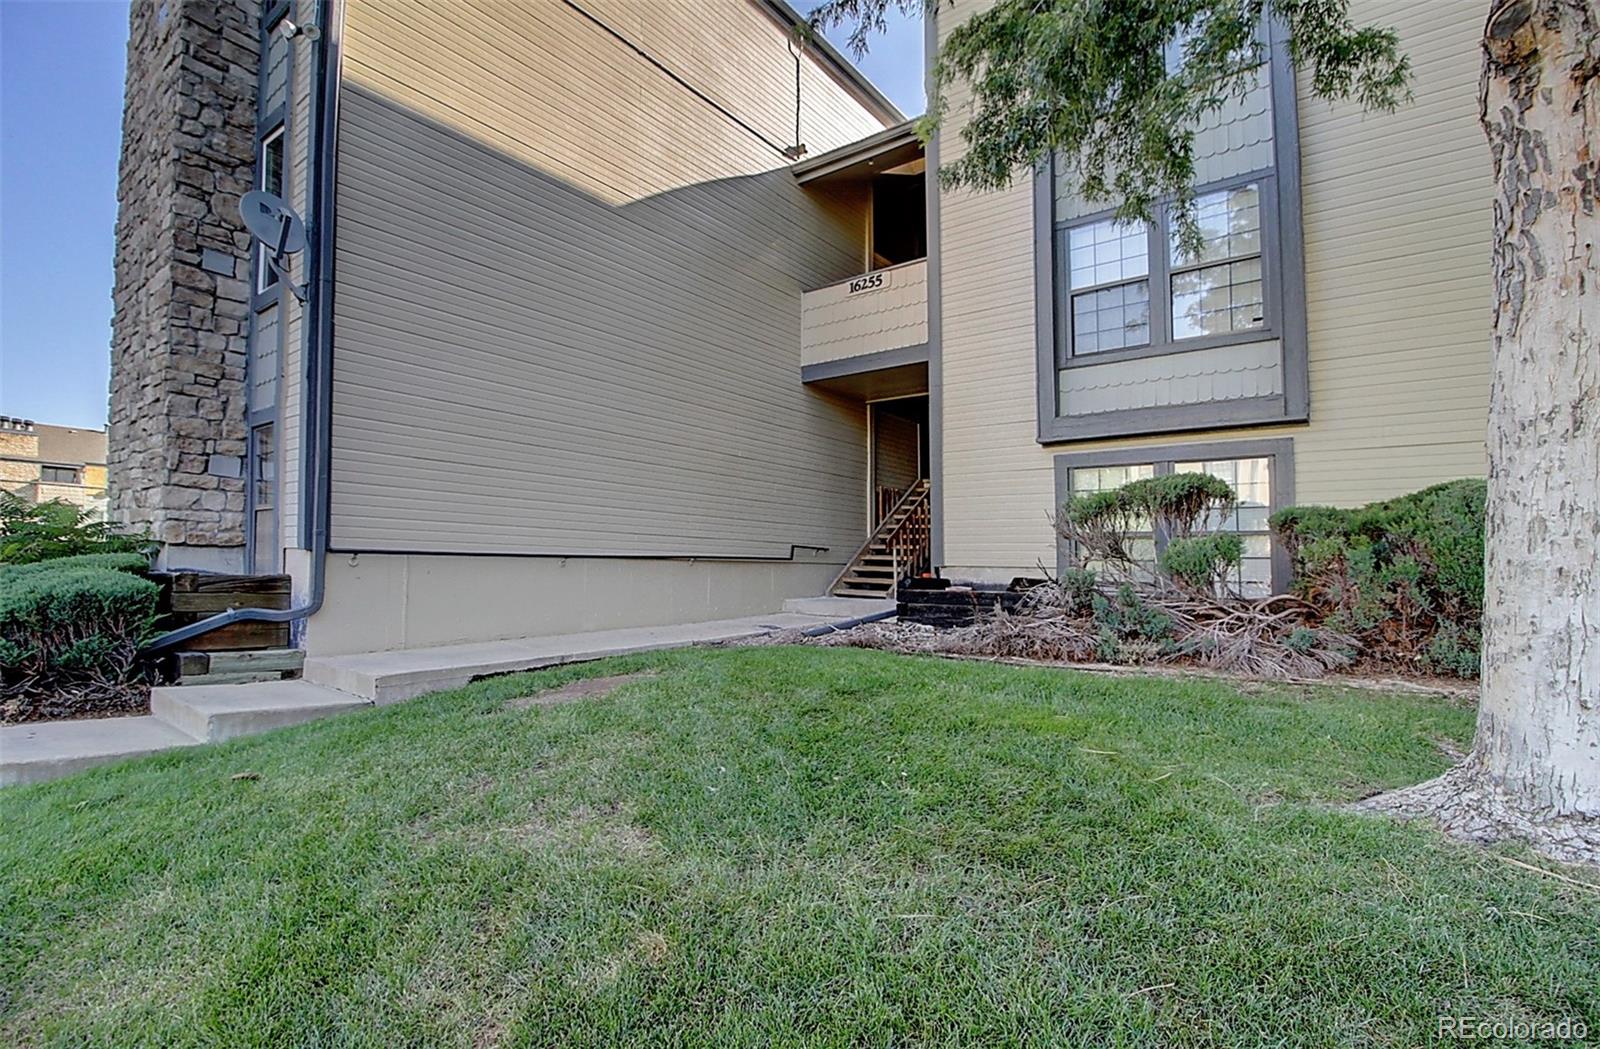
30	533
1101	526
1405	575
70	631
1202	562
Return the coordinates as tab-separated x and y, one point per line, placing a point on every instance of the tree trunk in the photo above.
1534	771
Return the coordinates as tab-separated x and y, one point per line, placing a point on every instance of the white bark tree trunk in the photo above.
1534	771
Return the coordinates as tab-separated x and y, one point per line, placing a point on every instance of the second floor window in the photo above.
59	474
1129	286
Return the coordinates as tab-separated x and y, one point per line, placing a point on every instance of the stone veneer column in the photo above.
177	419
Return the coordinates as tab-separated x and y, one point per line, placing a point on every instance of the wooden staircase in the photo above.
900	547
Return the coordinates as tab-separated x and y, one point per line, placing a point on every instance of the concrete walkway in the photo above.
183	716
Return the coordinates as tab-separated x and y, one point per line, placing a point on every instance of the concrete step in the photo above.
46	750
216	712
838	607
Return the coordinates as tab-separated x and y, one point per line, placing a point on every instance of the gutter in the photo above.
317	348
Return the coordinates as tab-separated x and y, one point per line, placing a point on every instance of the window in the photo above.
1261	474
1109	268
1251	480
1089	479
270	178
263	499
1220	291
59	474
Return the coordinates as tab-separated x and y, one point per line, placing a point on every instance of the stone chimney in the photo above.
182	295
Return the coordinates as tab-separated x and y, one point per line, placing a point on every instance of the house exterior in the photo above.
40	463
613	314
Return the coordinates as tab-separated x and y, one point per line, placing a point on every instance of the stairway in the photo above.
899	547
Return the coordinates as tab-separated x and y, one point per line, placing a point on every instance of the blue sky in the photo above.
61	75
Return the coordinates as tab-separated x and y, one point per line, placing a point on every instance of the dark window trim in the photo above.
274	13
1279	449
268	123
1283	277
1159	276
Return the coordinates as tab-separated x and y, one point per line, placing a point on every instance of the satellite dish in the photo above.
271	220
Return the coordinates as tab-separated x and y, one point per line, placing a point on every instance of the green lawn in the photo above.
794	846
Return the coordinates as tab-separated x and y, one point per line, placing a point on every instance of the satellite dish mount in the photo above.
274	223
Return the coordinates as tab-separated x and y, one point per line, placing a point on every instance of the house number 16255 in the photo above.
869	282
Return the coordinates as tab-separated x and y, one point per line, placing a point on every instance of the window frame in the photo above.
1164	457
1159	234
1283	291
1062	238
267	282
75	471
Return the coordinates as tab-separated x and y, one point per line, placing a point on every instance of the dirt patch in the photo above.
572	691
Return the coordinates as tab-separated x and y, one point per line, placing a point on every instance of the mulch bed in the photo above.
921	639
124	701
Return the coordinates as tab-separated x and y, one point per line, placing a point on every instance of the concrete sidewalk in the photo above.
390	677
189	714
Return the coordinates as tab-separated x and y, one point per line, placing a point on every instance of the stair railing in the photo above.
909	540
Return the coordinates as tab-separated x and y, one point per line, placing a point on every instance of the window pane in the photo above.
1218	300
1142	543
272	164
266	469
1111	318
1251	480
1106	252
271	176
1230	225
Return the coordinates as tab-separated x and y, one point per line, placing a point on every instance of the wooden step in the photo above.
198	667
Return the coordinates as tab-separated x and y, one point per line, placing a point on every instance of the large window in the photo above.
1130	286
1260	472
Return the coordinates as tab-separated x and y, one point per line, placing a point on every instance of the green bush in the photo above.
1201	562
1405	575
31	533
70	631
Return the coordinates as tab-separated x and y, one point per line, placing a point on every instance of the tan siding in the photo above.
897	444
567	315
835	324
1396	215
290	441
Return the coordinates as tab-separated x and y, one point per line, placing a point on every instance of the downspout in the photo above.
316	347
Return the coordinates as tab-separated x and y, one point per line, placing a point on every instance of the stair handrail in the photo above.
918	491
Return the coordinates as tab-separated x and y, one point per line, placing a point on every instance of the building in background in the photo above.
41	463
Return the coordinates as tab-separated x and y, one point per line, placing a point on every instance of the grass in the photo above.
783	846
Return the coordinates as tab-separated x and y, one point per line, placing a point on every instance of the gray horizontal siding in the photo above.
534	356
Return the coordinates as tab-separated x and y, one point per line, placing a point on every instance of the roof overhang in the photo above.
879	152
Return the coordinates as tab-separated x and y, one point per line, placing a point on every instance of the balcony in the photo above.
872	323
